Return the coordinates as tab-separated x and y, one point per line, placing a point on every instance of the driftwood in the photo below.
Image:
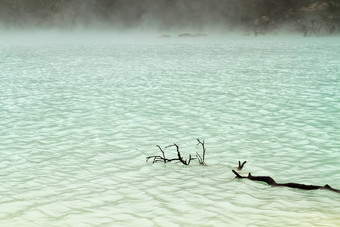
158	158
270	181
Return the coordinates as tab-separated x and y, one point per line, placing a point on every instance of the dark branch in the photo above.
179	154
157	158
162	153
238	175
271	181
240	166
189	159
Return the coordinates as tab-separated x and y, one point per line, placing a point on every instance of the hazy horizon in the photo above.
193	16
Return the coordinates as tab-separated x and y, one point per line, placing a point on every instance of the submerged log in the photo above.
270	181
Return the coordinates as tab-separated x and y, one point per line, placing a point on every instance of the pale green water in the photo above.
78	120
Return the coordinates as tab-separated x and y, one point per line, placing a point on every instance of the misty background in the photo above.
164	15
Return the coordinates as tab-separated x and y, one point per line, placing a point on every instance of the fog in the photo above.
173	16
160	15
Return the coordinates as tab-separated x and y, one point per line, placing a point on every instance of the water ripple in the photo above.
78	121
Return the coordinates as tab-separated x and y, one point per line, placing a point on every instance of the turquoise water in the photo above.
79	116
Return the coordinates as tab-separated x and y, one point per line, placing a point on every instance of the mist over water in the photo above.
307	17
130	14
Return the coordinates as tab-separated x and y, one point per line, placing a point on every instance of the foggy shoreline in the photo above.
169	17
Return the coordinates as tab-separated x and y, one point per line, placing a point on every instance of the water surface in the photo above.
78	119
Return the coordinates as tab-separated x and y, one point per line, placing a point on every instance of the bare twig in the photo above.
157	158
179	154
200	159
154	157
189	159
162	153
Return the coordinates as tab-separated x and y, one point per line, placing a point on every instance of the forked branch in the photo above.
199	158
162	153
180	158
240	166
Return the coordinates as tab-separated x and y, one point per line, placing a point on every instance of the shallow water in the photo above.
78	120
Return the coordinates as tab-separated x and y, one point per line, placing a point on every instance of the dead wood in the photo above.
180	158
199	158
240	166
270	181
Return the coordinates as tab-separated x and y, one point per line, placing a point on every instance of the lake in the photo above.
80	114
